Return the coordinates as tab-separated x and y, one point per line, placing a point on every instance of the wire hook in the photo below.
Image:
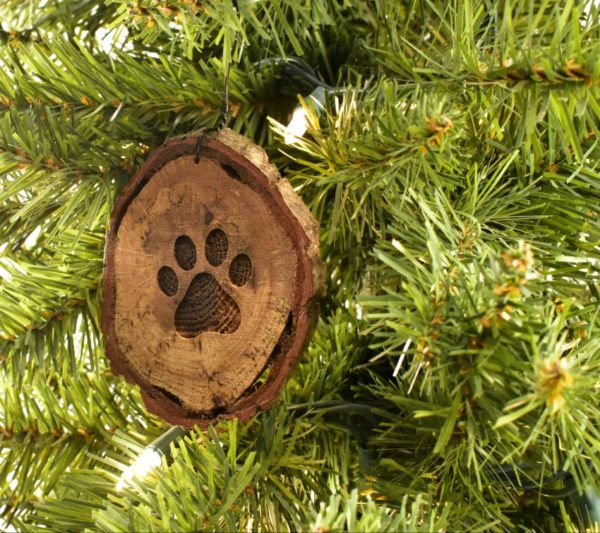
222	120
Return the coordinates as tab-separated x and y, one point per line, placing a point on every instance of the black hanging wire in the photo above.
360	426
295	68
222	120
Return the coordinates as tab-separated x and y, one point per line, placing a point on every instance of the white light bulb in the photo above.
297	126
148	460
299	123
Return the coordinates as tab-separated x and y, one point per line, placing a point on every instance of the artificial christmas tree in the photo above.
451	160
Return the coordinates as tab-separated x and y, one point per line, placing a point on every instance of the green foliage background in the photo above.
454	172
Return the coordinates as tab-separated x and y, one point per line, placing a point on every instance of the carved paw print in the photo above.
206	306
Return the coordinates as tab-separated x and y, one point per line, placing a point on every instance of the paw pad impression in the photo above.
206	306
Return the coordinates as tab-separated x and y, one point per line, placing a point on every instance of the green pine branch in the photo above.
452	381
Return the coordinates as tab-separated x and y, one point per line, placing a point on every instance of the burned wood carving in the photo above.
210	283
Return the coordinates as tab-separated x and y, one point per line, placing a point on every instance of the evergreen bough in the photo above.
454	379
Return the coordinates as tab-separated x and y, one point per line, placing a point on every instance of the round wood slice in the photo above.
211	275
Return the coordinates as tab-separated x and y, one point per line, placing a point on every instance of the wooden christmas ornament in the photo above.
211	276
